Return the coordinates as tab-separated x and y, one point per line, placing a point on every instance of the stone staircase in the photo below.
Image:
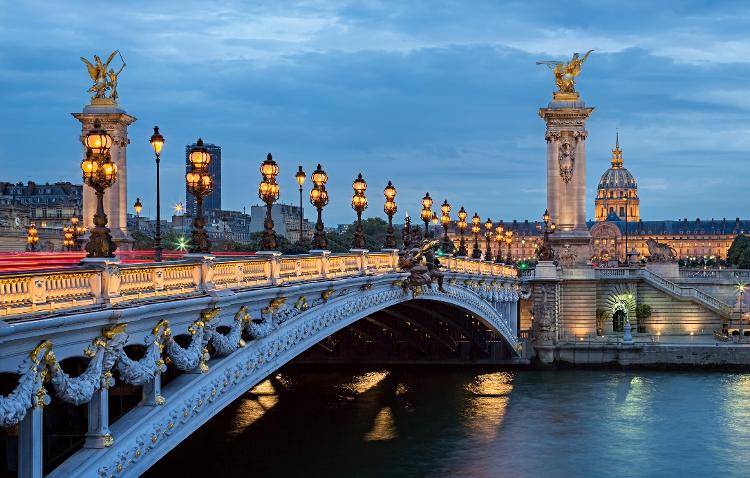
675	290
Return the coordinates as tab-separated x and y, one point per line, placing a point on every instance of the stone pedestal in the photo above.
667	270
545	311
116	122
566	133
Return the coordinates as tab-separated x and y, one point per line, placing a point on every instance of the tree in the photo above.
739	246
143	242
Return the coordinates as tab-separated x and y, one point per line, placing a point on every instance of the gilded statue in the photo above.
104	77
565	73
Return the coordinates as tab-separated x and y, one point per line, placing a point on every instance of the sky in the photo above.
438	96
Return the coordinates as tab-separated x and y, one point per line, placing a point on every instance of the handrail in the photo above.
659	281
52	290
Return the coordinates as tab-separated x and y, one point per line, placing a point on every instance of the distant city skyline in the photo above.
435	97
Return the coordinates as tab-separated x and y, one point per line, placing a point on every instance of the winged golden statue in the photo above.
565	73
104	78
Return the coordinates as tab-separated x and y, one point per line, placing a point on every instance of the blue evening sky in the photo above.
433	95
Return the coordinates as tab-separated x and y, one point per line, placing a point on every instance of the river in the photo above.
450	422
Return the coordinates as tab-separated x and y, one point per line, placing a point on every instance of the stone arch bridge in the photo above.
219	325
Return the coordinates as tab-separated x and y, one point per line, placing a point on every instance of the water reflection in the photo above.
449	423
488	400
383	428
362	383
251	409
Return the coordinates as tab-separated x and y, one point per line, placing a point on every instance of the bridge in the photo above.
190	336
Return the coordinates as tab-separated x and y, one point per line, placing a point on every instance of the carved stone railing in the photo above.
38	292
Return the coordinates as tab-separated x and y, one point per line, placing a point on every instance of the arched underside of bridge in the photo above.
146	433
416	331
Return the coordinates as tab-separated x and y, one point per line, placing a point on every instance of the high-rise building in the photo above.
213	200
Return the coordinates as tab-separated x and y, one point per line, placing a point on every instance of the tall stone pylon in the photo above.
566	133
116	121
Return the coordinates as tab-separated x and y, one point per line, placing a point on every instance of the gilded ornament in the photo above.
565	75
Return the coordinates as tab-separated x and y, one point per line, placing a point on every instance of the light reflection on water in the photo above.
447	423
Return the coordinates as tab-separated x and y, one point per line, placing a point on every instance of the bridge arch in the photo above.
147	433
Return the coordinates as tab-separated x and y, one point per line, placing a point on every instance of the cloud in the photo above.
437	96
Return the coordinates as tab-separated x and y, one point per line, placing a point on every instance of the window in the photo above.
622	211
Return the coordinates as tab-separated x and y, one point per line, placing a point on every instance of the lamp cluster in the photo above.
99	172
199	184
390	209
268	192
319	199
359	204
32	237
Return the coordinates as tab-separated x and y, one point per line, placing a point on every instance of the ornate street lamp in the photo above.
509	242
300	177
488	225
390	209
741	286
78	230
476	228
319	199
137	207
462	225
426	214
268	192
447	245
68	241
406	232
545	252
157	142
99	173
500	239
359	204
199	184
32	237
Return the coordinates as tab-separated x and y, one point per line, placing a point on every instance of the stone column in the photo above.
566	117
116	122
544	310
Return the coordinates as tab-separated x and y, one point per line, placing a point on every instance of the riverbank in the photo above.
658	356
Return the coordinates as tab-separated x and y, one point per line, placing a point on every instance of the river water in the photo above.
449	422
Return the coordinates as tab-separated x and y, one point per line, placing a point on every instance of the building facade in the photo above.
286	221
213	200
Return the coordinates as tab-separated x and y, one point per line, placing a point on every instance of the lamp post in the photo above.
78	230
32	237
462	225
390	209
488	237
319	199
406	232
426	214
476	228
445	219
268	192
300	177
359	204
199	184
500	239
157	142
509	242
741	292
68	238
137	207
545	252
99	173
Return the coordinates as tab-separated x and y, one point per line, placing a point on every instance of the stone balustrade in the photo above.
35	293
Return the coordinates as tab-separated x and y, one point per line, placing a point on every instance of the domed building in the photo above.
617	192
